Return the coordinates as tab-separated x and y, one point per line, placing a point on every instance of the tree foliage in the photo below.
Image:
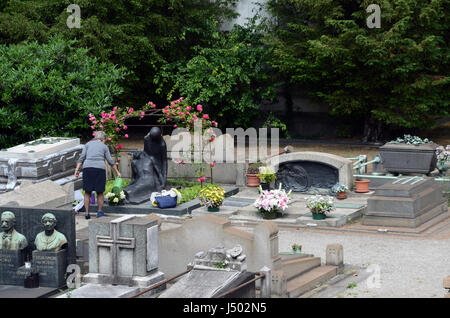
49	90
141	35
396	75
230	76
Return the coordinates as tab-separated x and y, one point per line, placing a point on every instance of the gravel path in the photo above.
408	268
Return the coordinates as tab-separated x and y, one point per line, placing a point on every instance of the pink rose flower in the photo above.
205	116
126	135
212	164
201	179
115	108
109	139
117	129
120	146
199	108
125	127
188	108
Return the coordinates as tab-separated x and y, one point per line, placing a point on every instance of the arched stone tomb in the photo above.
309	171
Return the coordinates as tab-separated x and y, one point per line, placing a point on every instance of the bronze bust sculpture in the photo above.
50	239
10	239
149	168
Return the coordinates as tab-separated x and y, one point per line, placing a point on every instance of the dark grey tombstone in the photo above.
403	158
28	223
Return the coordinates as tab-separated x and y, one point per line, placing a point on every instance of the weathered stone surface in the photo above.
178	246
37	161
101	291
405	202
123	250
10	262
200	283
51	267
403	158
46	194
335	255
342	165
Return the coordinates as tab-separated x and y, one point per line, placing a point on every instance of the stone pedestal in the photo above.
123	251
10	263
51	267
405	202
335	255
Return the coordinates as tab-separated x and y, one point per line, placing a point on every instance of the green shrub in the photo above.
49	90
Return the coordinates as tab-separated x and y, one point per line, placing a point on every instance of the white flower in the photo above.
116	200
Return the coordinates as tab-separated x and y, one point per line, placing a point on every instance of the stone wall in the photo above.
178	246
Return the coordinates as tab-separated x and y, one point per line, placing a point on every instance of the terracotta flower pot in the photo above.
252	180
362	186
341	195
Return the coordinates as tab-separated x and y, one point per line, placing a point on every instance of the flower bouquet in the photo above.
340	191
320	205
115	199
212	197
443	156
270	203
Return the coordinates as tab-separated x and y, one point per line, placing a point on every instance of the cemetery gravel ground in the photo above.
409	267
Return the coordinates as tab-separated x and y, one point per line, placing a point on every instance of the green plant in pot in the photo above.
340	190
266	176
272	203
212	197
320	206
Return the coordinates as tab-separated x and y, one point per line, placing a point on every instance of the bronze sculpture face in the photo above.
10	239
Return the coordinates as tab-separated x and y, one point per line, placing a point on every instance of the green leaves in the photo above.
46	90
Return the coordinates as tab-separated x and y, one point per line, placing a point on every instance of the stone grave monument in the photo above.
406	202
44	238
50	158
123	251
214	273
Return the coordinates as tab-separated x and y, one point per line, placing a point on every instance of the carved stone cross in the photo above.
115	242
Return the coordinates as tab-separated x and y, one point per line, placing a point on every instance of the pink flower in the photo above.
115	147
109	139
120	146
180	113
125	127
199	107
115	108
117	121
205	116
117	163
102	121
142	113
117	129
130	110
212	164
188	108
93	134
175	126
101	126
126	135
113	117
201	179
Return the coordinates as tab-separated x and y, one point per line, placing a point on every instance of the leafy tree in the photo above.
141	35
49	90
230	76
395	76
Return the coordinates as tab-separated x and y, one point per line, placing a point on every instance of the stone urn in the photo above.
404	158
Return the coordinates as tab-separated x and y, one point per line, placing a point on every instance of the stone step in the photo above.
310	280
392	219
427	197
295	267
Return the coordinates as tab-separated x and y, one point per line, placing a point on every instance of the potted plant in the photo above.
362	185
266	176
443	156
115	198
273	202
252	174
296	248
340	190
319	206
212	197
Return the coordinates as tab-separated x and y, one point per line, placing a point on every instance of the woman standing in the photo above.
94	170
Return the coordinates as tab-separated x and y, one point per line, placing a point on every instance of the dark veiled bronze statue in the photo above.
149	169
